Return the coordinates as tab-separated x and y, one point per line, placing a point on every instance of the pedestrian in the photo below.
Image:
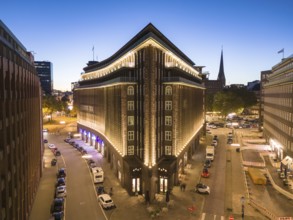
183	186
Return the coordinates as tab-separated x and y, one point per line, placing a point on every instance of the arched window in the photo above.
168	90
130	90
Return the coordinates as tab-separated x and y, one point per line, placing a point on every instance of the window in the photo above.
168	105
130	105
168	120
168	135
130	150
130	136
130	90
130	120
168	150
168	90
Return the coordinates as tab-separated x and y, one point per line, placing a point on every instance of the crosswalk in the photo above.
207	216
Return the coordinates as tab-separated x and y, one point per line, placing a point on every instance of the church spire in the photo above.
221	75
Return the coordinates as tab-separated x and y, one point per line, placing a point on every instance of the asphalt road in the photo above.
81	201
214	203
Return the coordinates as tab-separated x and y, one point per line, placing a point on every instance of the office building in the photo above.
143	109
20	128
45	72
277	91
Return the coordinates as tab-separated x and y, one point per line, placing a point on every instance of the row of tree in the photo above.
51	104
231	100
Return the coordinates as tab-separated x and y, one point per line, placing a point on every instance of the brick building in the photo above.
143	109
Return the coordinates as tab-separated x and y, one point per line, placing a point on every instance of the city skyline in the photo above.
250	32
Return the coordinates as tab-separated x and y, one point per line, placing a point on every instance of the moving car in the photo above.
202	188
60	192
106	201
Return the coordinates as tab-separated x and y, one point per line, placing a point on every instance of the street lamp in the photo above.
242	200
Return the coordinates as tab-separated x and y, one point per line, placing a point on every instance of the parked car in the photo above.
60	182
207	163
91	163
67	140
57	205
215	143
61	173
58	215
100	190
53	162
60	192
205	173
52	146
106	201
57	153
202	188
229	141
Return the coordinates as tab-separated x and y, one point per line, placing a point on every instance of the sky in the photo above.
251	32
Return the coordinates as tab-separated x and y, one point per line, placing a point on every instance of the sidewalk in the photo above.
45	193
177	208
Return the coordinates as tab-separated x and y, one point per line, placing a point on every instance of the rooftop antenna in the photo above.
93	53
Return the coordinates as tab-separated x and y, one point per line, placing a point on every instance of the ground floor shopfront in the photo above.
133	175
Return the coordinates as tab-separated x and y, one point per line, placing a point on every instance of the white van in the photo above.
98	174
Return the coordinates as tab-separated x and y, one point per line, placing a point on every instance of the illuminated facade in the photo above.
20	128
143	109
277	94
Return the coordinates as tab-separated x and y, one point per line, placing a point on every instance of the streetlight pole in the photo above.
242	200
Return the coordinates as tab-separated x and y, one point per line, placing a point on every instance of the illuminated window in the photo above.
130	120
168	120
130	105
168	135
130	90
168	105
168	150
168	90
130	150
130	135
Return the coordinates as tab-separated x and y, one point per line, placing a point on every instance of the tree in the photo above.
248	97
209	102
50	104
226	102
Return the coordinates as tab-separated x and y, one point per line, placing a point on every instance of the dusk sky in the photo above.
64	32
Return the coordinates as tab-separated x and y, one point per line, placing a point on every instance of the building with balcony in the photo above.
45	72
277	91
143	109
20	128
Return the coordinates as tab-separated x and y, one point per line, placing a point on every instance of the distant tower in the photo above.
221	75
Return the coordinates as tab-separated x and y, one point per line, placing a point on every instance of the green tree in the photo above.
49	105
226	102
209	102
